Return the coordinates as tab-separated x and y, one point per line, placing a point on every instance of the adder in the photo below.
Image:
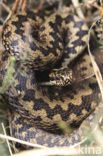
48	85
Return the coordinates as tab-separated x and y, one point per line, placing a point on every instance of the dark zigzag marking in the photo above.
50	140
40	104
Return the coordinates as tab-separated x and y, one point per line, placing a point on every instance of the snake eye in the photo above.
98	22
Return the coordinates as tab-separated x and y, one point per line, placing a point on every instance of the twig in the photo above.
59	151
21	141
7	9
78	9
50	151
40	4
95	66
7	139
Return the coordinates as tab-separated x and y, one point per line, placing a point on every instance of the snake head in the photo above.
61	77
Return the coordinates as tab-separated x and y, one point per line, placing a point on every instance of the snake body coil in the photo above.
39	109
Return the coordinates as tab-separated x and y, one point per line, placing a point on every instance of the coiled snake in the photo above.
42	41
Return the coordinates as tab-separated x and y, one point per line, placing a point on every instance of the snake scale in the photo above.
41	41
